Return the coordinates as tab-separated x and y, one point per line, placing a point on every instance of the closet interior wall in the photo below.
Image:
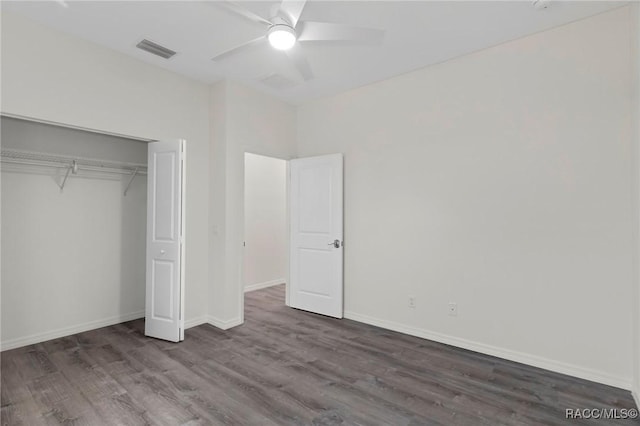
72	259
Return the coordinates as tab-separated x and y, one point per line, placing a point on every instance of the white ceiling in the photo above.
417	34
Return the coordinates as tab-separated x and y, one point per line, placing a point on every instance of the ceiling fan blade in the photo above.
300	62
327	31
246	47
242	11
292	9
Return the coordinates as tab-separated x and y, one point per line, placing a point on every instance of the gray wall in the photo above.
502	181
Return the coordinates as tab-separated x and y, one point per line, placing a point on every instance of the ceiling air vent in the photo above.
155	49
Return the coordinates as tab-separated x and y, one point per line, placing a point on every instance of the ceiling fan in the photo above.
285	31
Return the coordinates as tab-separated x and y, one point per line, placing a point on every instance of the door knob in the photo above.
162	252
335	243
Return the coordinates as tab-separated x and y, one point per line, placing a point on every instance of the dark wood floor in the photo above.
282	367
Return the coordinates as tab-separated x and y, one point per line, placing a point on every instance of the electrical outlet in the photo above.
453	309
412	302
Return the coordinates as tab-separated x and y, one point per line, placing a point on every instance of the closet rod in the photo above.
122	171
79	163
72	164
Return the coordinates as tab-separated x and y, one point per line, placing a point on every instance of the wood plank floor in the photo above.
282	367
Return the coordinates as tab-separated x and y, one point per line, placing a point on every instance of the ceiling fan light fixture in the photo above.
281	37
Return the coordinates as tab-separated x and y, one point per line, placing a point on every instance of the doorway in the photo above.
73	230
266	238
293	231
75	208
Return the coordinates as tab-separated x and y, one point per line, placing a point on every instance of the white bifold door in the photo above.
316	234
165	241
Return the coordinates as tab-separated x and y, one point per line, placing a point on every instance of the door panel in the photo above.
164	318
162	276
165	187
316	222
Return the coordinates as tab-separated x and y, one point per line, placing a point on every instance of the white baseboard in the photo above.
533	360
224	324
259	286
216	322
193	322
67	331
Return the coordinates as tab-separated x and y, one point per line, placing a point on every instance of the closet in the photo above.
74	222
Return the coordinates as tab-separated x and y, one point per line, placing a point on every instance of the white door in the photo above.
316	234
165	230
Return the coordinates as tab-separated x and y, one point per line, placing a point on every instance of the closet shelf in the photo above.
16	156
72	164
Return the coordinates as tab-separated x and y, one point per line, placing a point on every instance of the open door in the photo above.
164	318
316	235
